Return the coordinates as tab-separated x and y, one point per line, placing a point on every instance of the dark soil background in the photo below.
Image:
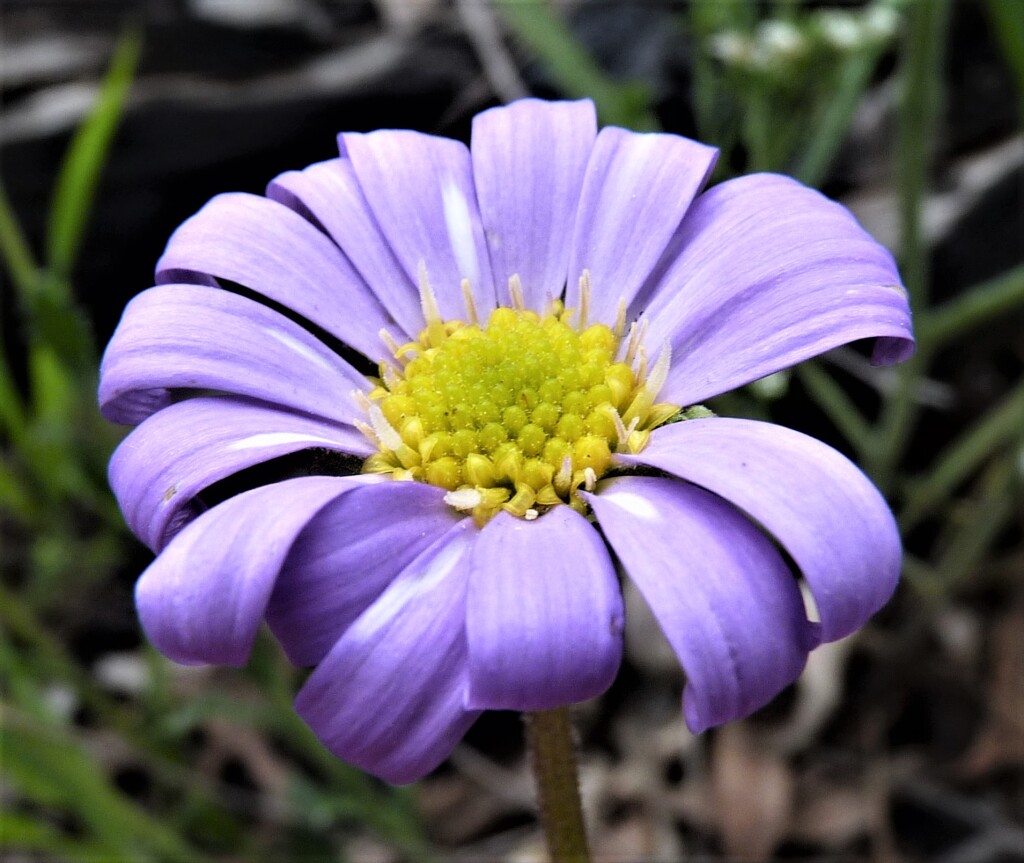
904	743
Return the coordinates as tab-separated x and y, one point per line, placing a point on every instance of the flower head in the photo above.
492	358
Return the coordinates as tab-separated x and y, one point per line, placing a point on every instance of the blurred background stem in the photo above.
920	107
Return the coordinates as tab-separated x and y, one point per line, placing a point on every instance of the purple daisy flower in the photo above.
539	314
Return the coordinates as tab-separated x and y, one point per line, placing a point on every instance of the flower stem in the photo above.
549	736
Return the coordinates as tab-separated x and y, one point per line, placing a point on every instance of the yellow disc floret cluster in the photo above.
517	414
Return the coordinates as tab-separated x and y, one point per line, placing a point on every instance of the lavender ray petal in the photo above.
421	191
529	160
770	273
202	600
722	594
817	504
544	613
158	470
193	337
274	251
330	194
388	696
347	556
636	190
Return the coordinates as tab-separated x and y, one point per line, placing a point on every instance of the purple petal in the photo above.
202	599
817	504
420	189
722	594
193	337
347	555
543	615
528	164
330	194
636	191
269	248
771	273
388	697
162	465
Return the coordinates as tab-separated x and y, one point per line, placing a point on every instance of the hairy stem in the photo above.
549	736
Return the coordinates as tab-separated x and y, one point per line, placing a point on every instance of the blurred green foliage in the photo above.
775	90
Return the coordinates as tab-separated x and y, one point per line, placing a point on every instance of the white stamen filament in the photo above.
564	475
361	399
621	432
585	287
428	300
390	438
631	344
389	341
467	298
620	320
659	372
390	377
368	433
637	331
515	289
641	366
464	499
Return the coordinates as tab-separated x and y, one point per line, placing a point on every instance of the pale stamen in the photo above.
361	399
641	365
428	300
390	377
467	298
659	372
464	499
620	320
515	290
390	342
563	478
621	432
385	432
585	287
368	433
637	331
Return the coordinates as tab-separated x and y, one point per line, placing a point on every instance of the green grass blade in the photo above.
834	403
79	175
14	249
15	499
964	456
44	762
982	303
12	408
971	532
573	68
1008	20
24	833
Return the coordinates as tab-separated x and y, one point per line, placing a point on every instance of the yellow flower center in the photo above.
515	414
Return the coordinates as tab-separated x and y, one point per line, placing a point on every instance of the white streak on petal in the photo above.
270	439
406	588
634	504
299	348
460	231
